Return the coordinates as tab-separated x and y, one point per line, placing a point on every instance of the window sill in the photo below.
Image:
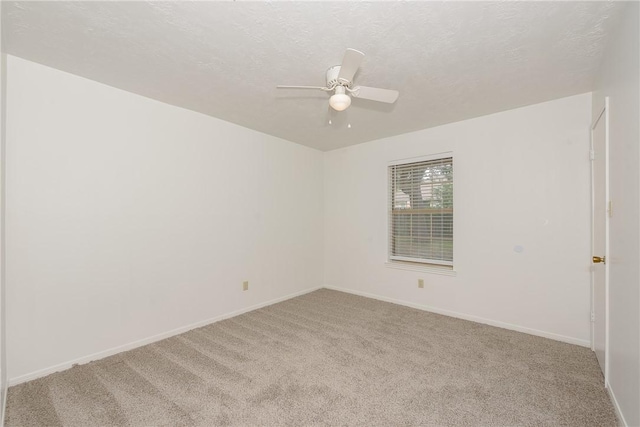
398	265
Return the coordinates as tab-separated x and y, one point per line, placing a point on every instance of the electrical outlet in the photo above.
420	283
245	285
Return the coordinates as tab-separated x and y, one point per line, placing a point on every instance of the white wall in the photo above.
521	178
619	80
3	347
128	218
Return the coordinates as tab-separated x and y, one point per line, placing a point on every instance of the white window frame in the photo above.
415	263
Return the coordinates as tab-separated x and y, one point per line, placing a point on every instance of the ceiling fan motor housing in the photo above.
332	77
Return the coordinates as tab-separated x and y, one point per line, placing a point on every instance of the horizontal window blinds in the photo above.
421	211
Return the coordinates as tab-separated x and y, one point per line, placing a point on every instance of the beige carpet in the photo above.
328	358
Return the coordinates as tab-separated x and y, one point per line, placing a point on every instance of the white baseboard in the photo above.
139	343
616	406
109	352
499	324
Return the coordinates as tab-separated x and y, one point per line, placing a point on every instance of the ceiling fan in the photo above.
340	82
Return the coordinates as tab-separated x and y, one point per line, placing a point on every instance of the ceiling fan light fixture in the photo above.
340	101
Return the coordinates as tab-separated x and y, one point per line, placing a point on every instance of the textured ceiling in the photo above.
450	60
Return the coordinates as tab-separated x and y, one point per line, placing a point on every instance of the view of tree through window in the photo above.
422	211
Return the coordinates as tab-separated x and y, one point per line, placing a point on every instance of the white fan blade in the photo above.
301	87
350	64
375	94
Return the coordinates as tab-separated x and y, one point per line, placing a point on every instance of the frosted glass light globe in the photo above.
340	101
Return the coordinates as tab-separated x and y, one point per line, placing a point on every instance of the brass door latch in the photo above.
597	259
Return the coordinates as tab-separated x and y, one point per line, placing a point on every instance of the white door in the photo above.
599	234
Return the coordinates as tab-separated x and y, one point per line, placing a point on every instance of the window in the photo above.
421	211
